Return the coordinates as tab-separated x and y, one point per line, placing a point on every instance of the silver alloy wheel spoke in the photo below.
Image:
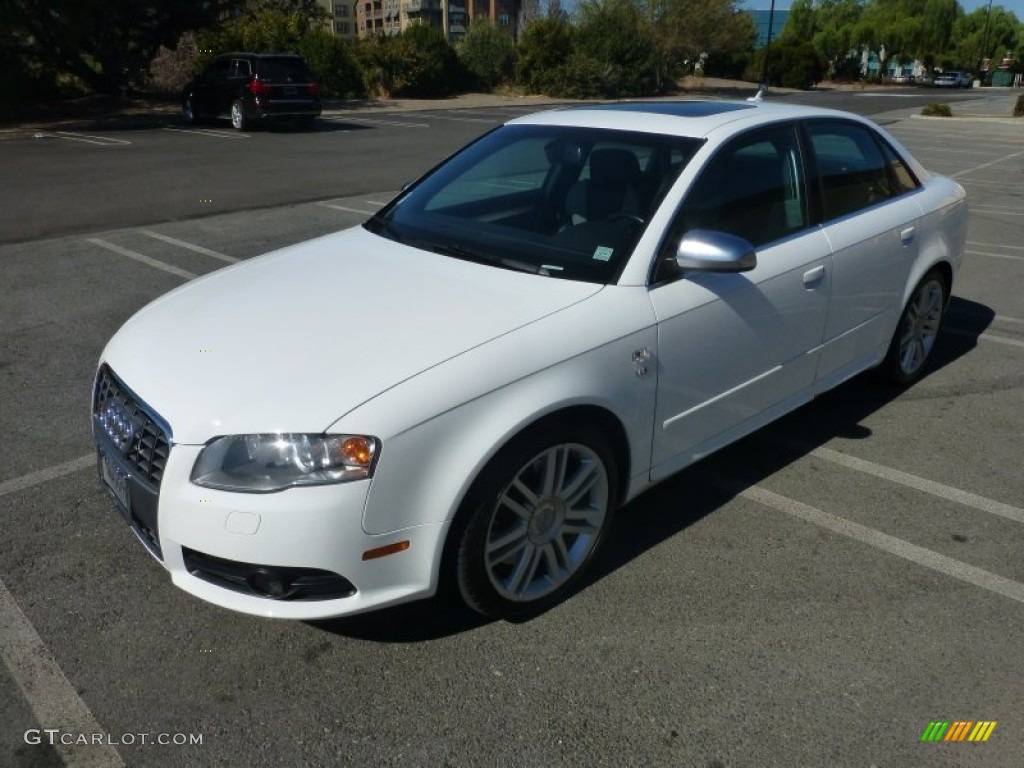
546	522
920	326
507	545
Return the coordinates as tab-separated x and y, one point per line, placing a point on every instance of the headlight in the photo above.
263	463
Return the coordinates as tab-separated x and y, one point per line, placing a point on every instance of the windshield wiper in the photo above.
466	254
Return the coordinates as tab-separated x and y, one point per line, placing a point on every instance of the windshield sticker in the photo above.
603	253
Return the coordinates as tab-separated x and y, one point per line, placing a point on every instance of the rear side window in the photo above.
292	70
855	169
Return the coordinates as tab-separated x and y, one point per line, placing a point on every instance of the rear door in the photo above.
871	218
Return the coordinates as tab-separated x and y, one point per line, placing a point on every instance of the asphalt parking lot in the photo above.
815	595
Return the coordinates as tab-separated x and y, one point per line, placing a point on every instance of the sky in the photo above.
1017	6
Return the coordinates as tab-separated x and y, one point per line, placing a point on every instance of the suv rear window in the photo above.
290	69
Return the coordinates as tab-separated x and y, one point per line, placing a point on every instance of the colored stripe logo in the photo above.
958	730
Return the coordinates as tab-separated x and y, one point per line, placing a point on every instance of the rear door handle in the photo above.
907	235
813	276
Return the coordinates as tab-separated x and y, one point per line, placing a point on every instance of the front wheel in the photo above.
917	330
534	521
238	119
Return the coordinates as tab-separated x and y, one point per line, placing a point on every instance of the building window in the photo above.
503	20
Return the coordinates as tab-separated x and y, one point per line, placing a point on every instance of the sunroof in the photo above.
674	108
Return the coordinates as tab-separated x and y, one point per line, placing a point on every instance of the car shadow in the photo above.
687	497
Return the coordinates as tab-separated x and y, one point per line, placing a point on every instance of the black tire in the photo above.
188	111
238	119
539	545
917	330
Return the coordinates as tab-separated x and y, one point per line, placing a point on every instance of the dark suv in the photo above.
253	88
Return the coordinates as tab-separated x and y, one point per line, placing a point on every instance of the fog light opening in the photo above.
269	583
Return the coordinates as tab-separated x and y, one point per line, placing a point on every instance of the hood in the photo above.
294	340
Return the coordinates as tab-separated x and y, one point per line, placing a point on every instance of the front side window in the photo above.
853	168
752	188
559	201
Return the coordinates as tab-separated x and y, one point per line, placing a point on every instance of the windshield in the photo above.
559	201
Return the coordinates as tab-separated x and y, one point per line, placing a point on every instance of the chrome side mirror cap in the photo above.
706	250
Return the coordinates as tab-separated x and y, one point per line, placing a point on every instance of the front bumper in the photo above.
315	529
295	554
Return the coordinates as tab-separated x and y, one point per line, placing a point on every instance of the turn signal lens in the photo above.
357	450
390	549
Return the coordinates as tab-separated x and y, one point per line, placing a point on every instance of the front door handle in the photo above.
907	235
813	276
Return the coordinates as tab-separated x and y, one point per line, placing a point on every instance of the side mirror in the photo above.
706	250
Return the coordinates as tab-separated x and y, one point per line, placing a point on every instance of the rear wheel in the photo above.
534	520
238	119
188	110
915	335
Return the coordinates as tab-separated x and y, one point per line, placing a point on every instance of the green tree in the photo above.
105	43
545	47
792	64
970	44
487	53
686	29
614	34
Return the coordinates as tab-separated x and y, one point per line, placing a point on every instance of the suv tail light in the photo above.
314	89
259	88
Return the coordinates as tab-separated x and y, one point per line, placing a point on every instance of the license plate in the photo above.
116	483
289	90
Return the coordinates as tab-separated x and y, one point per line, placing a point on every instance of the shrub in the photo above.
937	110
791	64
615	34
334	63
171	70
487	54
544	50
1018	109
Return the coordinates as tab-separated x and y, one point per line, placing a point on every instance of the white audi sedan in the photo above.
463	389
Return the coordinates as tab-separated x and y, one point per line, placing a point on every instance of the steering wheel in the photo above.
626	216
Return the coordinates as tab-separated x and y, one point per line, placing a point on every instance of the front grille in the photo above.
130	426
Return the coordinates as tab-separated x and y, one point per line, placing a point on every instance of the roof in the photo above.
689	117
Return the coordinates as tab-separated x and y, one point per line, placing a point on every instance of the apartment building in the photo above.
341	17
452	17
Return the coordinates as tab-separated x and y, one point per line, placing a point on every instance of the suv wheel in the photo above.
238	119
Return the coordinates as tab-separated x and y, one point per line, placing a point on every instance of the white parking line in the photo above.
142	258
997	245
1011	256
985	315
100	141
47	474
946	492
1000	161
1000	212
375	202
985	337
456	119
213	132
883	541
349	210
347	119
189	246
50	695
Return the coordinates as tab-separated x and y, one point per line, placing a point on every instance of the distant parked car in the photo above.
955	79
253	88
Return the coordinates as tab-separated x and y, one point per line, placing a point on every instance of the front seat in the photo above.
611	188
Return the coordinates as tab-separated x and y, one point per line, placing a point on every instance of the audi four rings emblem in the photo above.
116	422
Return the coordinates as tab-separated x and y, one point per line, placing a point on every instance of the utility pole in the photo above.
768	46
984	41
